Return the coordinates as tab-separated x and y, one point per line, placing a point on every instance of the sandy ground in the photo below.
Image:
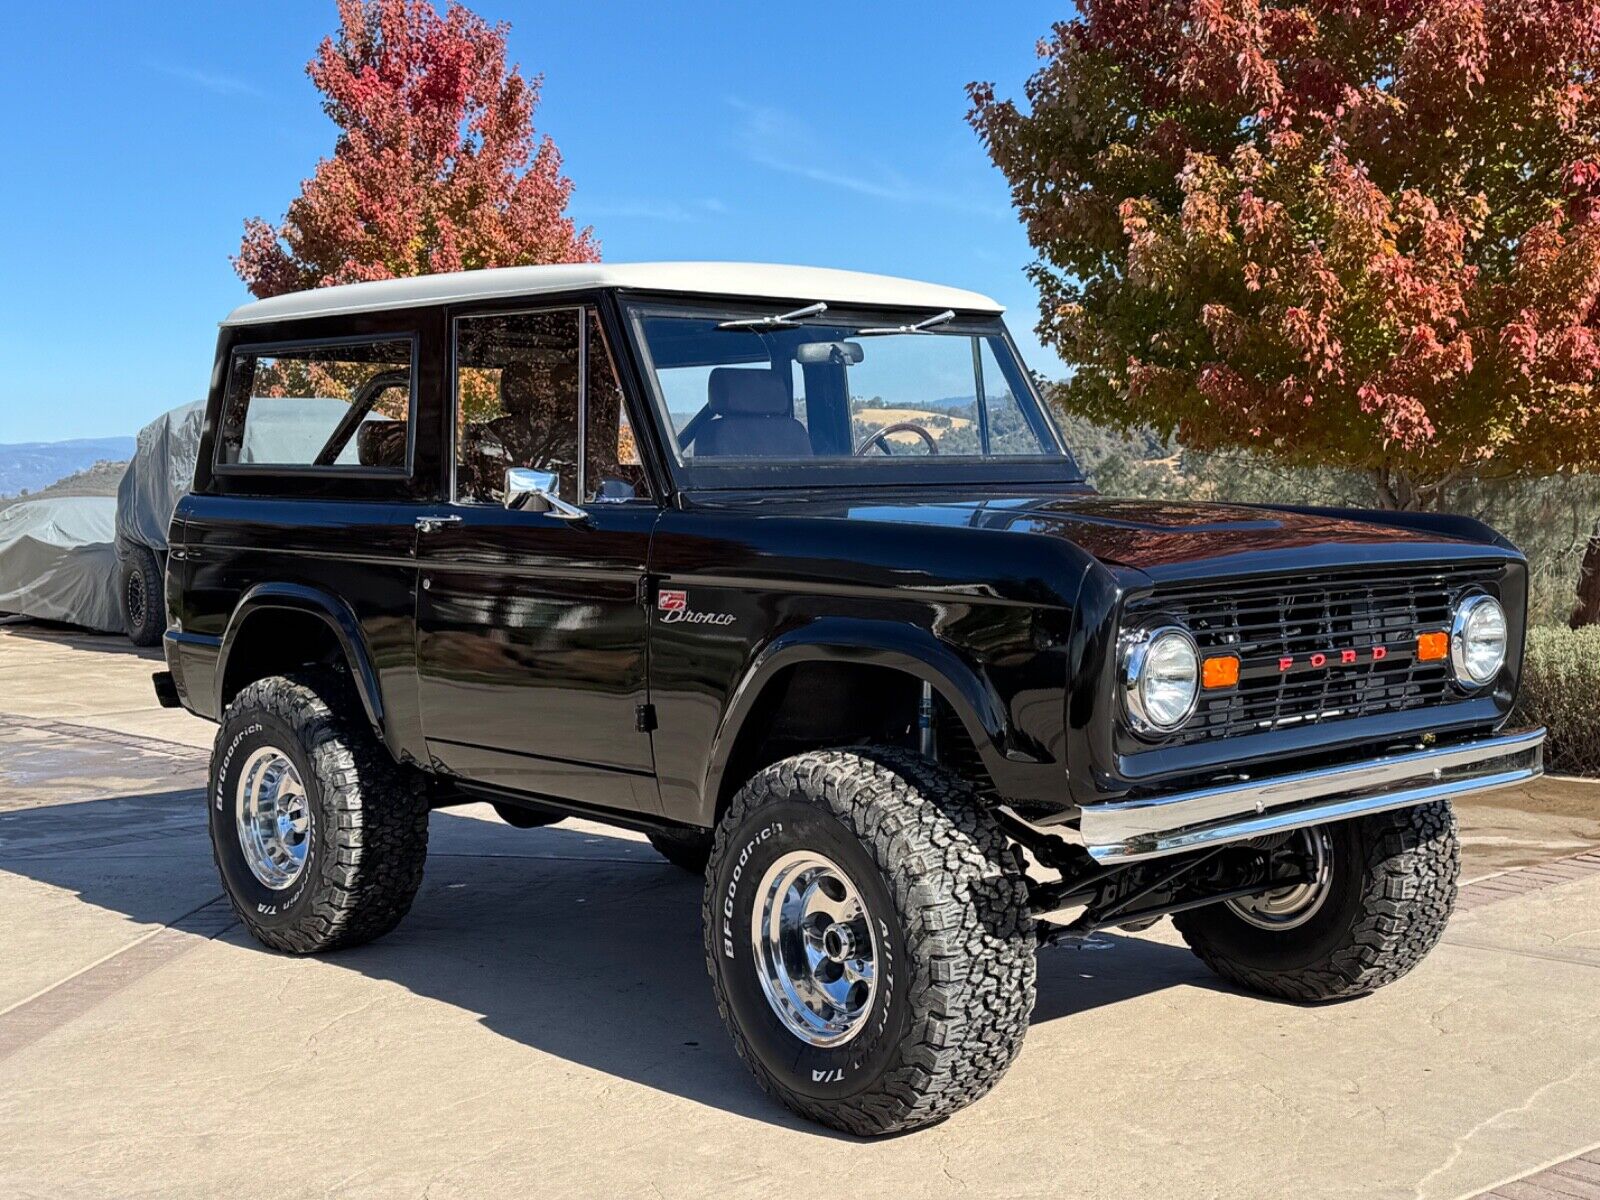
541	1023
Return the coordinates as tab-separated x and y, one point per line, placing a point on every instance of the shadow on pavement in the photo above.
74	638
578	944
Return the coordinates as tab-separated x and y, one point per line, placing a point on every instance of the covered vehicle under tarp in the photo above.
161	471
58	561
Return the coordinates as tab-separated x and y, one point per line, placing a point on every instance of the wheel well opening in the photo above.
809	706
278	641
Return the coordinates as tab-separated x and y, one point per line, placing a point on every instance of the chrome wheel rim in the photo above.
1292	906
815	951
273	817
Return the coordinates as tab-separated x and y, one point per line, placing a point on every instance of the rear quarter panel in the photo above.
359	552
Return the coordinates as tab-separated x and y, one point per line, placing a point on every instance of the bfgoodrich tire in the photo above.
940	917
319	836
143	596
1391	884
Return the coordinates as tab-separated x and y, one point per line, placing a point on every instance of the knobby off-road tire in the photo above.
143	596
956	944
366	817
1392	885
689	849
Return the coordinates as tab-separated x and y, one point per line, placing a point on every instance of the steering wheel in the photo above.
879	437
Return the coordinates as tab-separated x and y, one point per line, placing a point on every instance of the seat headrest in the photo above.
742	392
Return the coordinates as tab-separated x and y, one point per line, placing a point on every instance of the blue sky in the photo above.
142	136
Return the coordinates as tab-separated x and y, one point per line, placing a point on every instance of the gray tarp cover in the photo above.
161	471
58	561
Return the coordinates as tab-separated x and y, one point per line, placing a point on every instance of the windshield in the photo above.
811	393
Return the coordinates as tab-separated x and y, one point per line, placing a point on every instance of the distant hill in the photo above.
33	465
100	479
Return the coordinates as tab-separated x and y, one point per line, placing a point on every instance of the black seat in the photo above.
751	417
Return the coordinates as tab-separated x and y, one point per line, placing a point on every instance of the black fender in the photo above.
333	612
899	645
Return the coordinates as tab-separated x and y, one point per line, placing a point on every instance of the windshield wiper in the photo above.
786	320
927	326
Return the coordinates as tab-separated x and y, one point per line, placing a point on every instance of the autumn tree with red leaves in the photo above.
1354	233
437	166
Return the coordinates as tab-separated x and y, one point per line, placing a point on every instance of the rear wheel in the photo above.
1379	895
144	603
319	836
869	940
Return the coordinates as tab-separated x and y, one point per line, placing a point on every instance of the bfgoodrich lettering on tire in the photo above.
319	835
1390	886
868	937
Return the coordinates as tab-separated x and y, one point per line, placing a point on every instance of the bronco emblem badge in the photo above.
674	608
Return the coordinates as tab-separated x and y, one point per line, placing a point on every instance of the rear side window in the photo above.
345	406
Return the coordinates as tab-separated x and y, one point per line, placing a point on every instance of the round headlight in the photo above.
1161	679
1478	640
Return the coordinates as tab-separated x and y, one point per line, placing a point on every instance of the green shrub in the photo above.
1561	690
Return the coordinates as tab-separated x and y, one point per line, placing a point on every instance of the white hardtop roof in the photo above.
753	280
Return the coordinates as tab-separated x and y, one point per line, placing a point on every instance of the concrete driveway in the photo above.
542	1023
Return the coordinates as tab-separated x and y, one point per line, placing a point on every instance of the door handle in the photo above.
433	524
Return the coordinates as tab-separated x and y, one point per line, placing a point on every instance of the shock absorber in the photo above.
925	745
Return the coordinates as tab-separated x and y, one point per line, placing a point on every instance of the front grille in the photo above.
1266	623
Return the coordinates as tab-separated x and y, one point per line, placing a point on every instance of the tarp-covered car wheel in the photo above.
161	471
143	593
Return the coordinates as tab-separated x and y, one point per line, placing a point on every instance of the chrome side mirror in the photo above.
528	490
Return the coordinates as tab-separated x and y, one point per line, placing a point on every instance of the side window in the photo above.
613	468
346	405
516	401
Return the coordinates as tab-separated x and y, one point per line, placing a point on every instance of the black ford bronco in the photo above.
790	570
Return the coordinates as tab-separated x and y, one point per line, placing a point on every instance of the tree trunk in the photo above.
1588	610
1398	491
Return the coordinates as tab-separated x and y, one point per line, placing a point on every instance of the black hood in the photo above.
1169	540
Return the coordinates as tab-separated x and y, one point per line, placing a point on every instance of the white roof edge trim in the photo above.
750	280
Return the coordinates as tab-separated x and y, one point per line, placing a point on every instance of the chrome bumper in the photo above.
1126	831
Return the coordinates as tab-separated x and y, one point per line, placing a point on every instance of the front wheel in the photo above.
869	940
1379	893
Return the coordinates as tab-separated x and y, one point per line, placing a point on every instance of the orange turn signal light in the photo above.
1220	671
1433	647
